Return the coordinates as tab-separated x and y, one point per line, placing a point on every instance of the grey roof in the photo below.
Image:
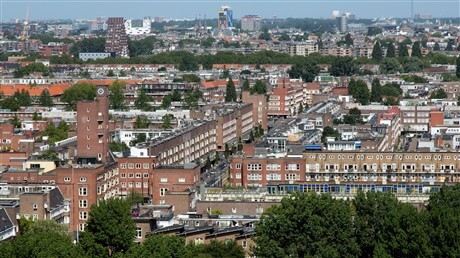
5	220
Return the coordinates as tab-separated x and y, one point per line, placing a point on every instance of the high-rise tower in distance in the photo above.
225	18
116	39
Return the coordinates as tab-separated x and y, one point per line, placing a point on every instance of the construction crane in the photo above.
24	33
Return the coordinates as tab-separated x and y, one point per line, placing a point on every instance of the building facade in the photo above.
116	39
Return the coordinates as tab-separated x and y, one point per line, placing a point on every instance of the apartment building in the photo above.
304	48
347	172
259	108
233	122
173	178
54	49
284	100
416	118
44	205
186	145
136	175
117	40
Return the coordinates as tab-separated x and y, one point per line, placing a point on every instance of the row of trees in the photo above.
372	225
23	99
387	94
110	232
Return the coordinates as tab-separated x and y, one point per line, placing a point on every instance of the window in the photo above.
182	180
291	177
123	184
83	215
82	179
273	177
138	175
35	217
138	232
83	203
164	180
138	165
81	227
66	179
146	175
82	191
123	165
35	206
254	177
138	185
199	240
123	175
131	175
163	191
244	244
254	166
146	165
233	210
131	165
292	167
273	167
146	184
238	166
130	184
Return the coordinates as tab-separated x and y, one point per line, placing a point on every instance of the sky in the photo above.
90	9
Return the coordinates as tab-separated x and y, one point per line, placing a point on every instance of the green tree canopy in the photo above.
391	51
230	91
376	93
45	99
78	92
416	50
117	95
23	98
343	66
88	45
377	53
42	238
305	70
110	230
329	132
359	91
306	225
438	94
143	101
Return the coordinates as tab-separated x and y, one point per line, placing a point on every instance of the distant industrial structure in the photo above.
225	18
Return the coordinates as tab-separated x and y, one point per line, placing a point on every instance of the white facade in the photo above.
138	27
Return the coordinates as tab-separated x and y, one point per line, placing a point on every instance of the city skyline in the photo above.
69	9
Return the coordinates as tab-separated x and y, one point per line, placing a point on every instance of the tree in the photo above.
23	98
42	238
438	94
143	101
45	99
416	50
390	65
10	103
329	132
208	163
216	249
88	45
140	137
343	66
387	228
117	95
457	69
166	102
167	119
306	225
160	246
391	51
284	37
110	73
348	40
141	122
443	222
16	121
246	86
376	93
307	71
78	92
176	96
192	97
58	133
118	146
402	49
230	91
359	91
251	136
436	47
216	158
109	229
259	88
377	53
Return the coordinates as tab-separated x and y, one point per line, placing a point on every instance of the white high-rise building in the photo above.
138	26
